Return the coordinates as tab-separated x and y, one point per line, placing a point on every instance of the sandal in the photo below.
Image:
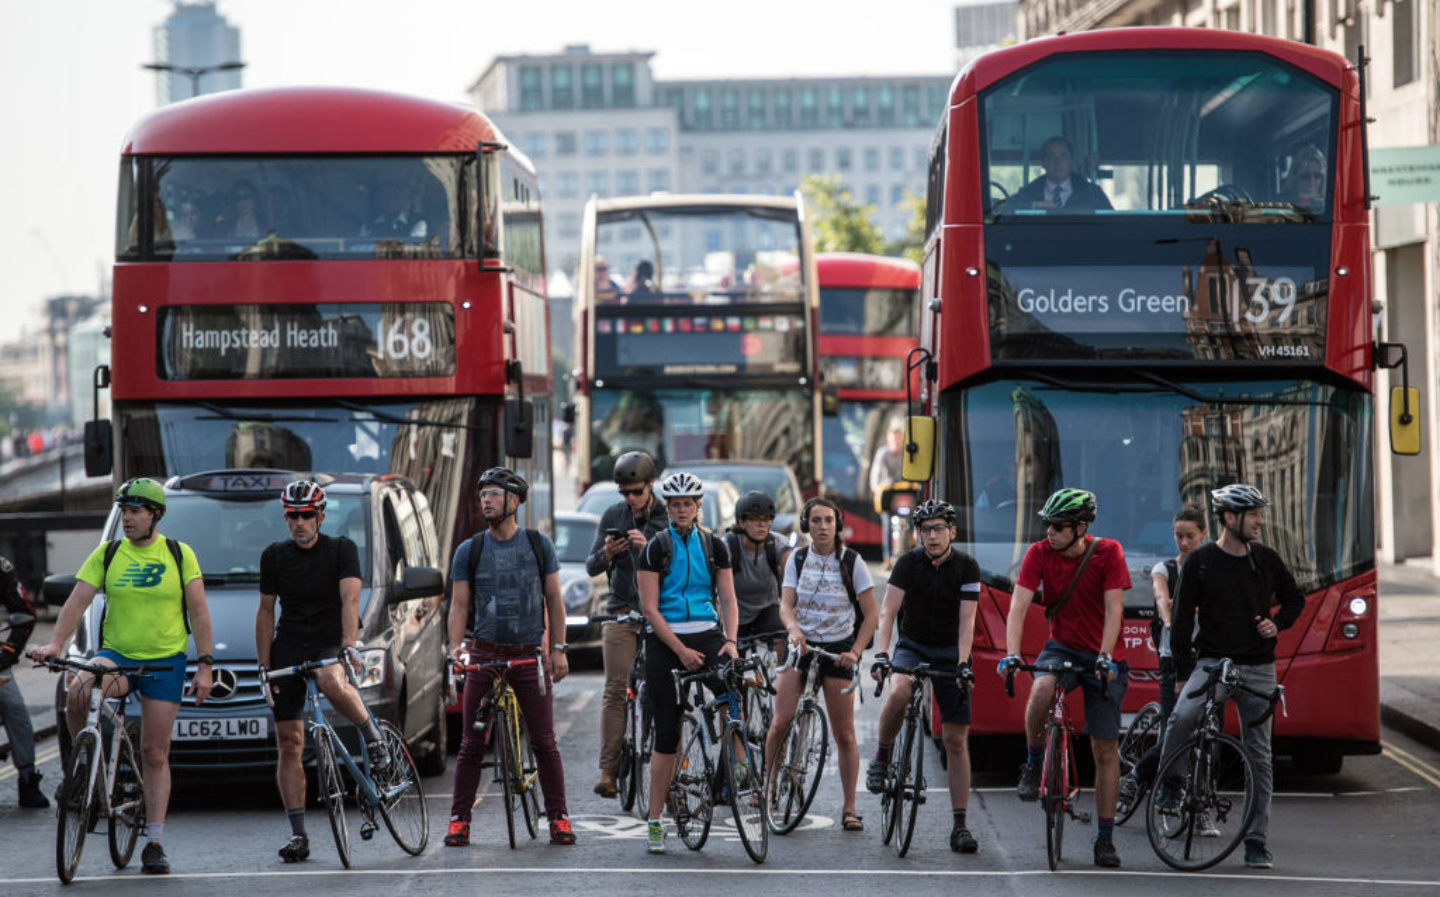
851	821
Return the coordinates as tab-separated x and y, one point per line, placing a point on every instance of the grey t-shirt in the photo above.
755	585
508	594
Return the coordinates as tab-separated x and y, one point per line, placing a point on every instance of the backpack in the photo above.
847	576
772	552
112	547
477	546
1172	582
707	544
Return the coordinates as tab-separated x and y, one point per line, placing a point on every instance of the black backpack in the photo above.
477	546
847	576
667	552
111	548
772	552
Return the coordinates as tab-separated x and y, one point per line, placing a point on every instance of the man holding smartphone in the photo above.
625	528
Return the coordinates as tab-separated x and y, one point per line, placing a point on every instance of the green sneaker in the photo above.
657	838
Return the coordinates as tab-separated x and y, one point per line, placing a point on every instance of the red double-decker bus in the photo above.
869	317
331	280
1190	309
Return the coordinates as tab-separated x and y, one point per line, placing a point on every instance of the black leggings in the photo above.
660	684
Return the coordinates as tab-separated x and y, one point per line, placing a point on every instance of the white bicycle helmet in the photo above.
682	485
303	495
1238	497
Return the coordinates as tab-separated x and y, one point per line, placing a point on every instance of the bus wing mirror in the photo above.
919	457
1405	420
829	401
519	428
99	448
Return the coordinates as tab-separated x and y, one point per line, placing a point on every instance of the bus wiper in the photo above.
1219	400
386	417
223	413
221	579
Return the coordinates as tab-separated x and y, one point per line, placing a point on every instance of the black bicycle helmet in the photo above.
1069	506
1238	497
634	468
303	495
754	504
506	479
934	509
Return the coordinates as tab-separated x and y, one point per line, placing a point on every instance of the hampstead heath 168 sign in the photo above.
269	342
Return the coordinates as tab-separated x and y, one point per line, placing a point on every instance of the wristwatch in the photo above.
561	647
206	658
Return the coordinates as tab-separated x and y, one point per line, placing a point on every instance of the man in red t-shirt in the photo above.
1084	629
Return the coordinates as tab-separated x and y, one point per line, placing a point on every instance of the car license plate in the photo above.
199	729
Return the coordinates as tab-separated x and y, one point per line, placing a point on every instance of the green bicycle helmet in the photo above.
1069	506
142	492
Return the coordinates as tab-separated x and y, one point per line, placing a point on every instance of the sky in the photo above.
71	83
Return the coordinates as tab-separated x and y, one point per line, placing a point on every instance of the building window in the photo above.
534	145
762	160
564	143
872	196
562	87
872	158
1403	31
729	109
710	162
567	184
842	158
910	105
935	98
627	142
897	194
835	107
703	113
736	161
592	87
532	95
922	159
755	109
885	100
782	109
597	183
675	98
627	182
790	161
622	85
809	107
657	140
817	161
657	180
860	106
595	143
897	158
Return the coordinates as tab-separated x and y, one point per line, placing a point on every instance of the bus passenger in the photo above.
396	217
886	469
1061	187
1084	579
829	599
641	283
637	516
1305	184
606	289
246	220
933	592
154	595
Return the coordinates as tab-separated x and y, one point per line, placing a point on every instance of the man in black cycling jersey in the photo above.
933	591
316	578
1229	588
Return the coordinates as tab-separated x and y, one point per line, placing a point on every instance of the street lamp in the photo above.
194	72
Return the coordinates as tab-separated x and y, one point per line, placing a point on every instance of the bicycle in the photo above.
394	792
760	696
904	789
1203	778
514	766
632	778
1059	779
793	772
1143	734
698	784
104	775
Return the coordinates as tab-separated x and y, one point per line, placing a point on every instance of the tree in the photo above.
912	245
840	224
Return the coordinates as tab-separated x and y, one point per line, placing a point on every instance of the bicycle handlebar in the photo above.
920	671
139	670
634	618
1226	671
505	666
792	660
1053	668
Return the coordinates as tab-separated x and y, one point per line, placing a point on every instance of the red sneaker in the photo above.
459	834
561	833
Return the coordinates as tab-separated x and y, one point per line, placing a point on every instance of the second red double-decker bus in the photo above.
869	315
1150	253
331	280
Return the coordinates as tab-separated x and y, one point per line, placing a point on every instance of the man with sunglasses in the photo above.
624	530
316	578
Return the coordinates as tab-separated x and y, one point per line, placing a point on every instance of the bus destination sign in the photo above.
280	342
678	343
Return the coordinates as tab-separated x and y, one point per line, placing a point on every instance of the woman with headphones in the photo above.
826	598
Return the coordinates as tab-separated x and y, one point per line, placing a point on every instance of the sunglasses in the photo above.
934	528
301	515
633	491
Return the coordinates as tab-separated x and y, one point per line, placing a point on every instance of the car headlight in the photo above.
372	668
576	593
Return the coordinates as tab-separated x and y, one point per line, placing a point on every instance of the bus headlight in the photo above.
1358	607
1350	630
577	593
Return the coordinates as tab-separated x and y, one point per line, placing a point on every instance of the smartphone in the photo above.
619	534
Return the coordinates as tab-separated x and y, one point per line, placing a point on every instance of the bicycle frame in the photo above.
1059	778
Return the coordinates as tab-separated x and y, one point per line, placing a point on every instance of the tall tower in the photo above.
195	36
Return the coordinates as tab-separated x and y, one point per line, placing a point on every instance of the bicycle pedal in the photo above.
1082	818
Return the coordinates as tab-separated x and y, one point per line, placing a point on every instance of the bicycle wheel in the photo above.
644	747
1216	794
625	772
402	800
1141	734
127	806
889	808
527	783
690	787
747	791
794	774
759	711
1053	796
504	764
77	798
1124	811
910	787
332	791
